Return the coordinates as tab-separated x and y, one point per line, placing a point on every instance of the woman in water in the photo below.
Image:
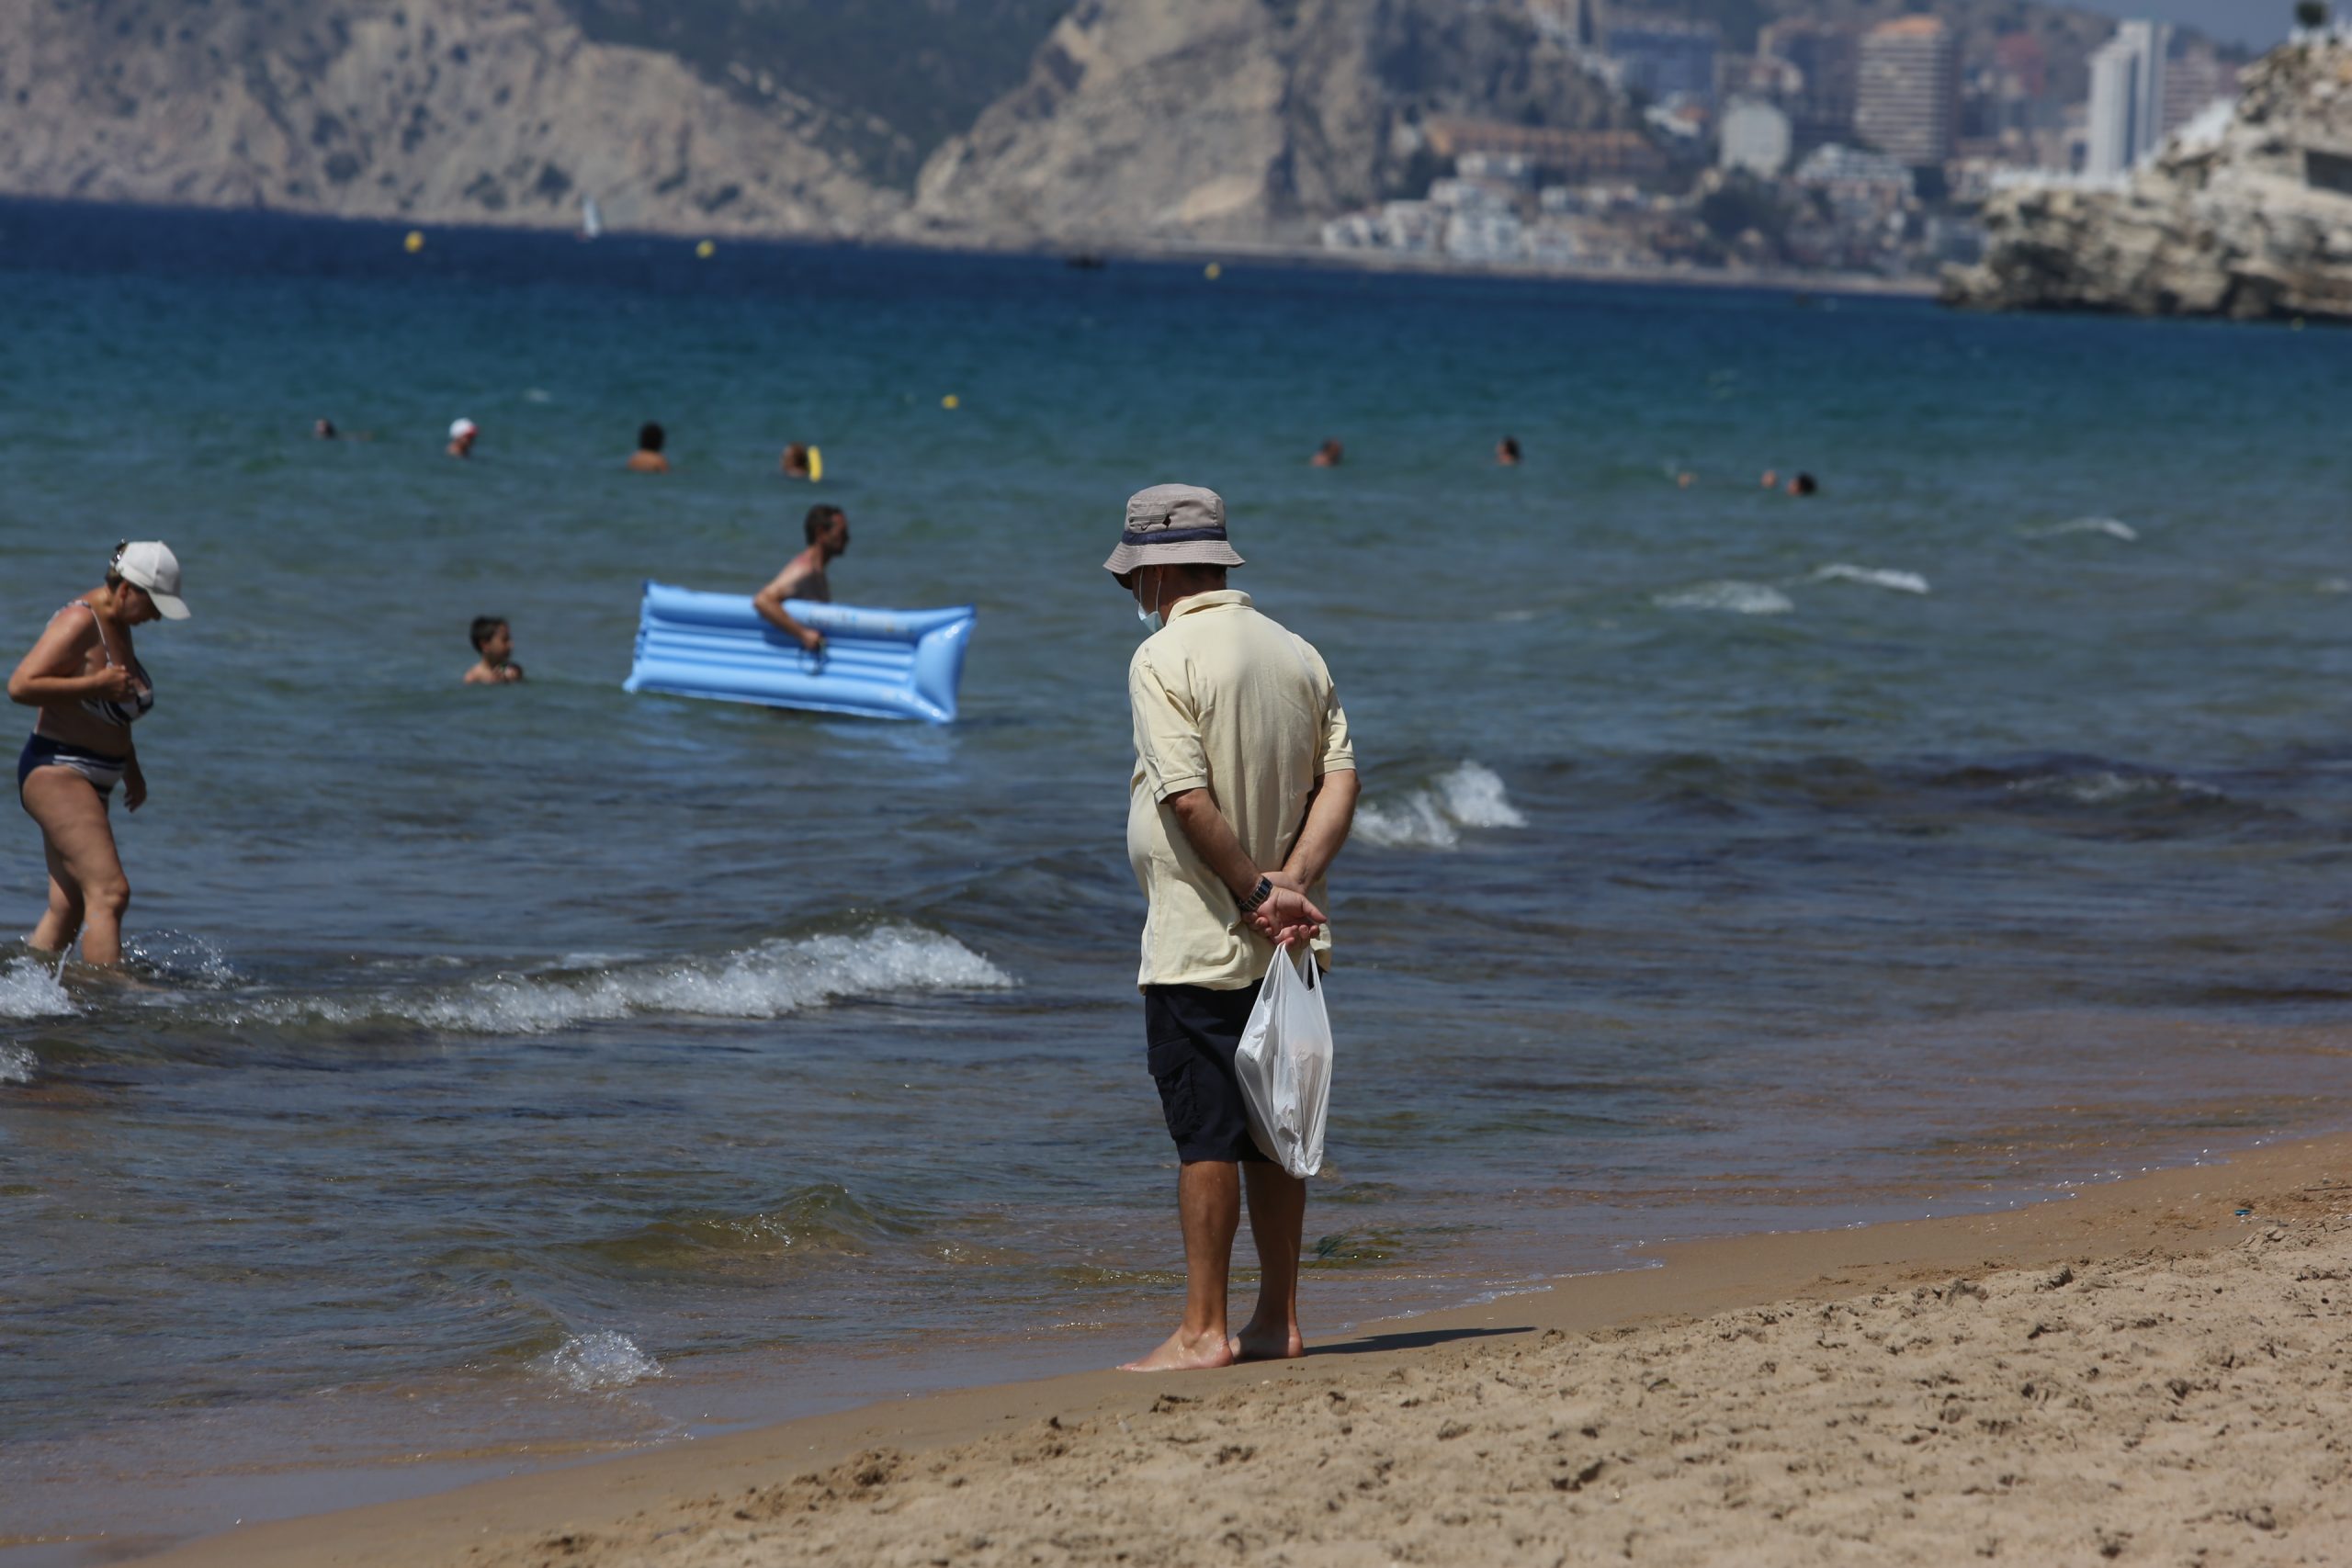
88	685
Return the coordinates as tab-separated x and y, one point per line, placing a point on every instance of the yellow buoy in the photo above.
416	240
1213	272
816	464
706	250
951	401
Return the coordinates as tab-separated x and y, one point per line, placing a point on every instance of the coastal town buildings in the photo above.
1662	59
2196	79
1826	61
1575	156
1905	91
2127	99
1836	143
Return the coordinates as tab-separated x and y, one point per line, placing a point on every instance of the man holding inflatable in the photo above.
803	577
1243	792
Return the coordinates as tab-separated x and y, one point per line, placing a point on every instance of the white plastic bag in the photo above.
1284	1062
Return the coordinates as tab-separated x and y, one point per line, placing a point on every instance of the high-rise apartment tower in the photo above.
2127	98
1906	91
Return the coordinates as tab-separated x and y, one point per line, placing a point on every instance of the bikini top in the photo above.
117	712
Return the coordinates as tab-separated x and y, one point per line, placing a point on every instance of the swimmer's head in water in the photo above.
796	460
494	639
1330	455
827	525
461	435
323	429
1803	484
1507	450
650	436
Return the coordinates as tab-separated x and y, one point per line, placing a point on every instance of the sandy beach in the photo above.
2153	1370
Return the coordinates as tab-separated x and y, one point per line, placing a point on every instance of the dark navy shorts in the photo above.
1190	1035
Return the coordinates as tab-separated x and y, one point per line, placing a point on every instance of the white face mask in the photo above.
1150	618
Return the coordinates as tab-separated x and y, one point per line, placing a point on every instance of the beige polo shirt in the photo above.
1223	699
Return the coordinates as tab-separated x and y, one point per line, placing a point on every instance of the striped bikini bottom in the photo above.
103	771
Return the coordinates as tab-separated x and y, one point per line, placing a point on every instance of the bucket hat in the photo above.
1171	526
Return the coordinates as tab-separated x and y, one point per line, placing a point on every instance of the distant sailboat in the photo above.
592	220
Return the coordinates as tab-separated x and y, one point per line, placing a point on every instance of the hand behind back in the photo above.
1287	916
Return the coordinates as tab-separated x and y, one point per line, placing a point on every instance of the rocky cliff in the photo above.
1138	120
1146	120
2253	221
486	112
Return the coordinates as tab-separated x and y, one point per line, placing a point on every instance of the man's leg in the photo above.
1208	1201
1277	1223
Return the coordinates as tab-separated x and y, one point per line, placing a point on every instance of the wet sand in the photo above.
2139	1374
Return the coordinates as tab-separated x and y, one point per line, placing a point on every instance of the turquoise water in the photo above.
546	1065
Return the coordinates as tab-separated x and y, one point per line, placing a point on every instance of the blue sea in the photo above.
507	1074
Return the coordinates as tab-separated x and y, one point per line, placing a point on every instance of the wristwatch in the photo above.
1257	895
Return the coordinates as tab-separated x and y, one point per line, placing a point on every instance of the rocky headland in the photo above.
1138	121
2253	222
481	111
1237	119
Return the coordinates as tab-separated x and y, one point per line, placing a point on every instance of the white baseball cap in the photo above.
150	564
458	427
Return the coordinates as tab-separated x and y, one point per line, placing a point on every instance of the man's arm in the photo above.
769	603
1330	813
1287	915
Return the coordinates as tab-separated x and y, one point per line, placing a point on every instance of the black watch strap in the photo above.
1257	895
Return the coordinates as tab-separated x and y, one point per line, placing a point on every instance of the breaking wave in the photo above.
1872	577
2112	528
29	989
593	1364
2109	788
780	977
1729	596
1472	795
16	1064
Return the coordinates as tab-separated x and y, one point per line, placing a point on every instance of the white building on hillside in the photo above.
2127	99
1755	137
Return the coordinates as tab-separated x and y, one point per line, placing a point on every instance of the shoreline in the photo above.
1299	257
612	1509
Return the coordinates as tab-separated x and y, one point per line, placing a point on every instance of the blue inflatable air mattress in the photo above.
876	663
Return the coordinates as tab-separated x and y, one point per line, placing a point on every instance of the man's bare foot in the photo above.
1182	1353
1256	1343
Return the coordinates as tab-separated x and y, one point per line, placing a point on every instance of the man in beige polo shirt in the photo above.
1244	789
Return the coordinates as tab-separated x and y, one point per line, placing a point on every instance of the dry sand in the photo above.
2138	1375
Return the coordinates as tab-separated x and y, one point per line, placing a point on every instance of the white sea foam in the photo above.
179	956
2113	527
2111	788
28	989
1730	596
16	1064
1872	577
1472	795
784	975
593	1363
